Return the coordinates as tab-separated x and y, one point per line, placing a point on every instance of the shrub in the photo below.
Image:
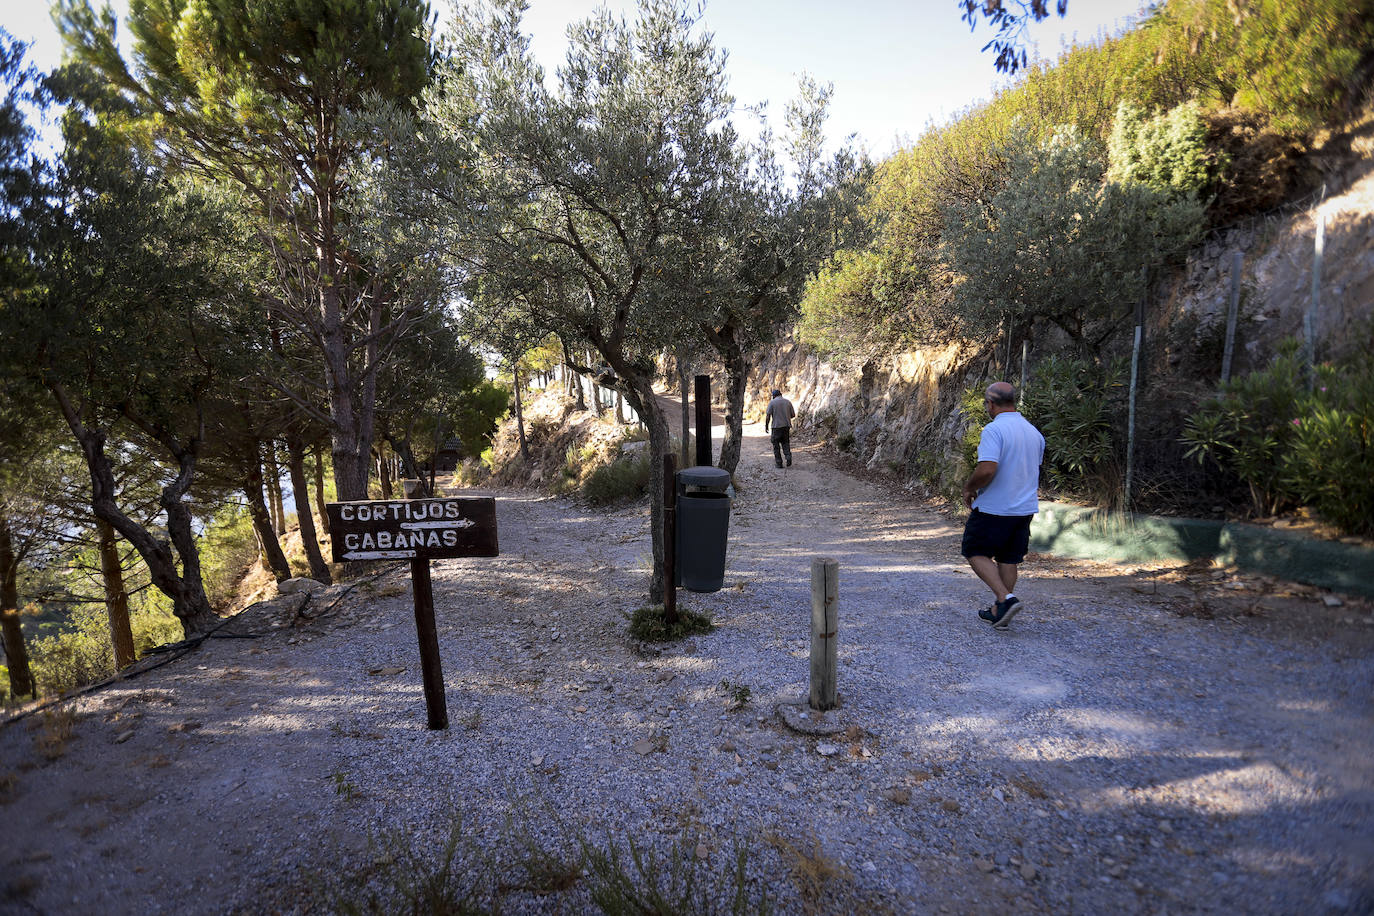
648	624
1330	464
1168	152
1289	445
1077	405
620	480
1247	427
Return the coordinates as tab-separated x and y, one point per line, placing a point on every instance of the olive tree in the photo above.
583	190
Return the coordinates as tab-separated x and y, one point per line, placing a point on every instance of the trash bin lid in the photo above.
705	477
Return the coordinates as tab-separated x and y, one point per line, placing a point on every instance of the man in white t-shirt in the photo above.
1002	492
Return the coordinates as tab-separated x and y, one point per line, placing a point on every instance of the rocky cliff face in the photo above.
900	413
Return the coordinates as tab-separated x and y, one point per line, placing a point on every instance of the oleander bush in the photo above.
1289	444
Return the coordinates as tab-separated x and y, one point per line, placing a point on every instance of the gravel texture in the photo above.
1143	739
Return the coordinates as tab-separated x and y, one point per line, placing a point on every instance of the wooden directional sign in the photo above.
418	530
413	529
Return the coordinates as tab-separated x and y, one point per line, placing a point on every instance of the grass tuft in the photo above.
647	624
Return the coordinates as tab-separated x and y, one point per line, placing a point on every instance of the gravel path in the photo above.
1143	739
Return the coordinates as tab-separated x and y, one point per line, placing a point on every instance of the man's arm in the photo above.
982	476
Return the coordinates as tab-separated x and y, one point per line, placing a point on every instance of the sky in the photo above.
897	66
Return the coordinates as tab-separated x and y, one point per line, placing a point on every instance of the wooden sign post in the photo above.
418	530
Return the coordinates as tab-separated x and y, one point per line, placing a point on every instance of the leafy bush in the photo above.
1289	445
82	653
620	480
1167	152
1078	406
1247	428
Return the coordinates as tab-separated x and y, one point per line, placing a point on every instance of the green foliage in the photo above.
1167	152
1330	464
1248	427
1079	407
80	652
622	479
227	549
648	624
1289	445
1272	64
637	880
479	413
1055	244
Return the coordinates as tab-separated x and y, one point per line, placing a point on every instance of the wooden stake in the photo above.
430	668
825	575
669	539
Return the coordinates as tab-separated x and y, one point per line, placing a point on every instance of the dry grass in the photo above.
55	730
811	869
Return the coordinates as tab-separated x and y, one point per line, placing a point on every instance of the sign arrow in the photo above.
379	555
442	526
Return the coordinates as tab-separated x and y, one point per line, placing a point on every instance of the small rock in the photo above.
827	750
986	866
537	760
1028	871
1332	601
728	747
1118	871
702	852
950	805
385	672
999	795
123	736
898	796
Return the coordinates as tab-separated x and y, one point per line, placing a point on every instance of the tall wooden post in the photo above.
703	405
430	668
825	576
669	539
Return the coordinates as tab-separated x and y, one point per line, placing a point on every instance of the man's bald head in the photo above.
1001	394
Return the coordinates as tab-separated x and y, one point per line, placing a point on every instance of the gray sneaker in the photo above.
1004	611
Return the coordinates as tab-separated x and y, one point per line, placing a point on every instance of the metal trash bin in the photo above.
703	527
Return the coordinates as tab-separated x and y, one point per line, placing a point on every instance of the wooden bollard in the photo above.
825	575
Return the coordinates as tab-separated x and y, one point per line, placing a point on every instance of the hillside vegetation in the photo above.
1074	206
1197	116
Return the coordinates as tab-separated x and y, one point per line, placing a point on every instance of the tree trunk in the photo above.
116	598
736	383
620	409
383	472
640	392
11	632
295	461
272	470
520	416
319	488
183	586
272	553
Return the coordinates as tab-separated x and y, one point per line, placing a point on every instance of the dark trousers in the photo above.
782	444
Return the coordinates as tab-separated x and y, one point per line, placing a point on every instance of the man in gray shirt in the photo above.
1002	492
779	415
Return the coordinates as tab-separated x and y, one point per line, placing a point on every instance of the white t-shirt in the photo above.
1017	447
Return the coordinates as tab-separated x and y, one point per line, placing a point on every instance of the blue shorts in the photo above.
1005	538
